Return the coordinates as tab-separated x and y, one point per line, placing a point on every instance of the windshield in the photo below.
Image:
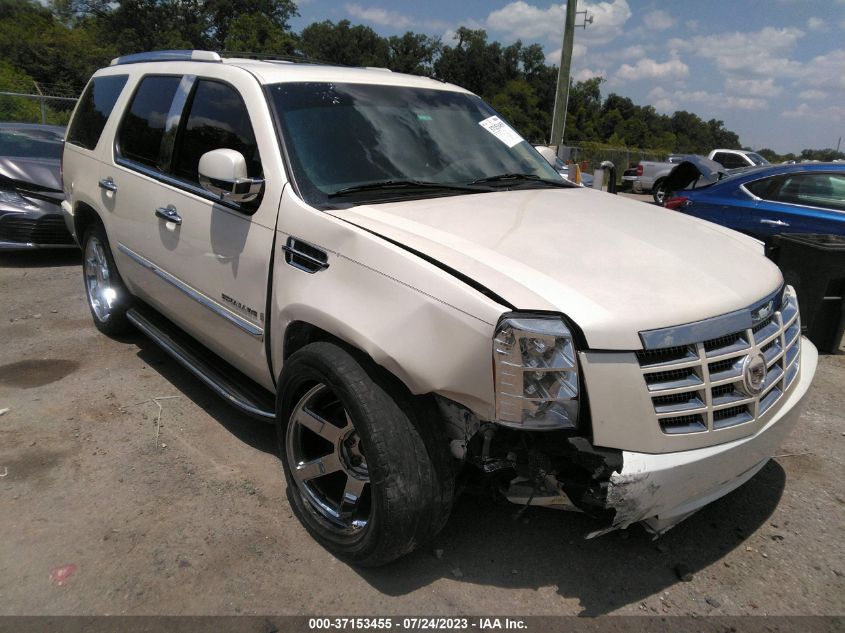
373	143
757	159
29	144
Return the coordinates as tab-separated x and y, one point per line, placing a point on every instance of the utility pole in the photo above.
562	94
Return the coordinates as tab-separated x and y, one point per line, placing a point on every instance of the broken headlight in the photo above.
535	372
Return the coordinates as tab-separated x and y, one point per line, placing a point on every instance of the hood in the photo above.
692	168
613	265
32	174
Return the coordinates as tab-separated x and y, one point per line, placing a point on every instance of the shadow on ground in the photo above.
255	433
484	544
41	258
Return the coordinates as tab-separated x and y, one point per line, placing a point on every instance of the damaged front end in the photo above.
564	470
554	469
551	469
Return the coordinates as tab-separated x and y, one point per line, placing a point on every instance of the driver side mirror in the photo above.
223	173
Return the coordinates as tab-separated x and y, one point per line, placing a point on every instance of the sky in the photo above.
772	70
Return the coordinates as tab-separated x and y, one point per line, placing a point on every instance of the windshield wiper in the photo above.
519	179
387	185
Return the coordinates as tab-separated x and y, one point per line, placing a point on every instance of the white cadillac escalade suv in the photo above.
384	269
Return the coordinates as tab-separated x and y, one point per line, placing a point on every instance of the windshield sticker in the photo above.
501	131
424	117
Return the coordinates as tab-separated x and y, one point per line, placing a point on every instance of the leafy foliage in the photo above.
62	45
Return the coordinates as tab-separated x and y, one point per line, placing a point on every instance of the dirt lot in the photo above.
199	524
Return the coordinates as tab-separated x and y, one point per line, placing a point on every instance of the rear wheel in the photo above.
107	297
659	192
368	472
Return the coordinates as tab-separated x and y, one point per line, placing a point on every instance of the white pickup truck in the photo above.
385	270
737	158
651	175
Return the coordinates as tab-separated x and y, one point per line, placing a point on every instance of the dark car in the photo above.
763	201
31	187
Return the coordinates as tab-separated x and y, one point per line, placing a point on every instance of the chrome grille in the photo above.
699	387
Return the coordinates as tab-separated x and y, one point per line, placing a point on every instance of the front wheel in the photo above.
368	471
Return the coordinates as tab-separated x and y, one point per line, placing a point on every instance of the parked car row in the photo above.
650	176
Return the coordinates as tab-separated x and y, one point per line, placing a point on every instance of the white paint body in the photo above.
613	266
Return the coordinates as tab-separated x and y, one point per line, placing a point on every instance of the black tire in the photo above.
107	296
658	192
406	456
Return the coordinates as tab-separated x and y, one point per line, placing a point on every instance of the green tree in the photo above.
222	15
518	104
256	33
634	131
477	65
16	108
61	58
413	53
343	43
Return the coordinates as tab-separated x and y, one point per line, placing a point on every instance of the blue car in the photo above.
762	201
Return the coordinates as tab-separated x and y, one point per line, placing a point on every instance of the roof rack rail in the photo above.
273	57
167	56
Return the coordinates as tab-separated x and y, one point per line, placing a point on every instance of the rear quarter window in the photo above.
95	107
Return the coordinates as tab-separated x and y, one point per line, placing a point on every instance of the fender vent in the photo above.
302	255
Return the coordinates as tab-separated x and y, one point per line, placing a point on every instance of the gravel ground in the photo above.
100	517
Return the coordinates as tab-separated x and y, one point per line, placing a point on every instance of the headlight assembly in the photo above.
536	373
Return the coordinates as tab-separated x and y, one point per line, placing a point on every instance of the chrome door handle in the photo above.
108	184
169	213
774	222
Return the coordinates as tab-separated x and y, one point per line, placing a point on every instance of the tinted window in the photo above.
140	134
94	109
813	190
217	119
730	161
763	188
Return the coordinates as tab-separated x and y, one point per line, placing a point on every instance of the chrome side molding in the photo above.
246	326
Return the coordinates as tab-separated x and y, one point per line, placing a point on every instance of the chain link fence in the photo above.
35	107
591	155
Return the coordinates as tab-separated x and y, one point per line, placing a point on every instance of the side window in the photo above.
730	161
142	129
719	157
765	187
814	190
217	118
95	107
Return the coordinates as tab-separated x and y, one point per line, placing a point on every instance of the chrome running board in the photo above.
238	390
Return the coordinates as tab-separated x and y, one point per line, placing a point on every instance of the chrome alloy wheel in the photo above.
98	283
327	460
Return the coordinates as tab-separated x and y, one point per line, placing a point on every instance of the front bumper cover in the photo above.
661	490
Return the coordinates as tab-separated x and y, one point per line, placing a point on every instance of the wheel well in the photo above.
300	333
83	217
